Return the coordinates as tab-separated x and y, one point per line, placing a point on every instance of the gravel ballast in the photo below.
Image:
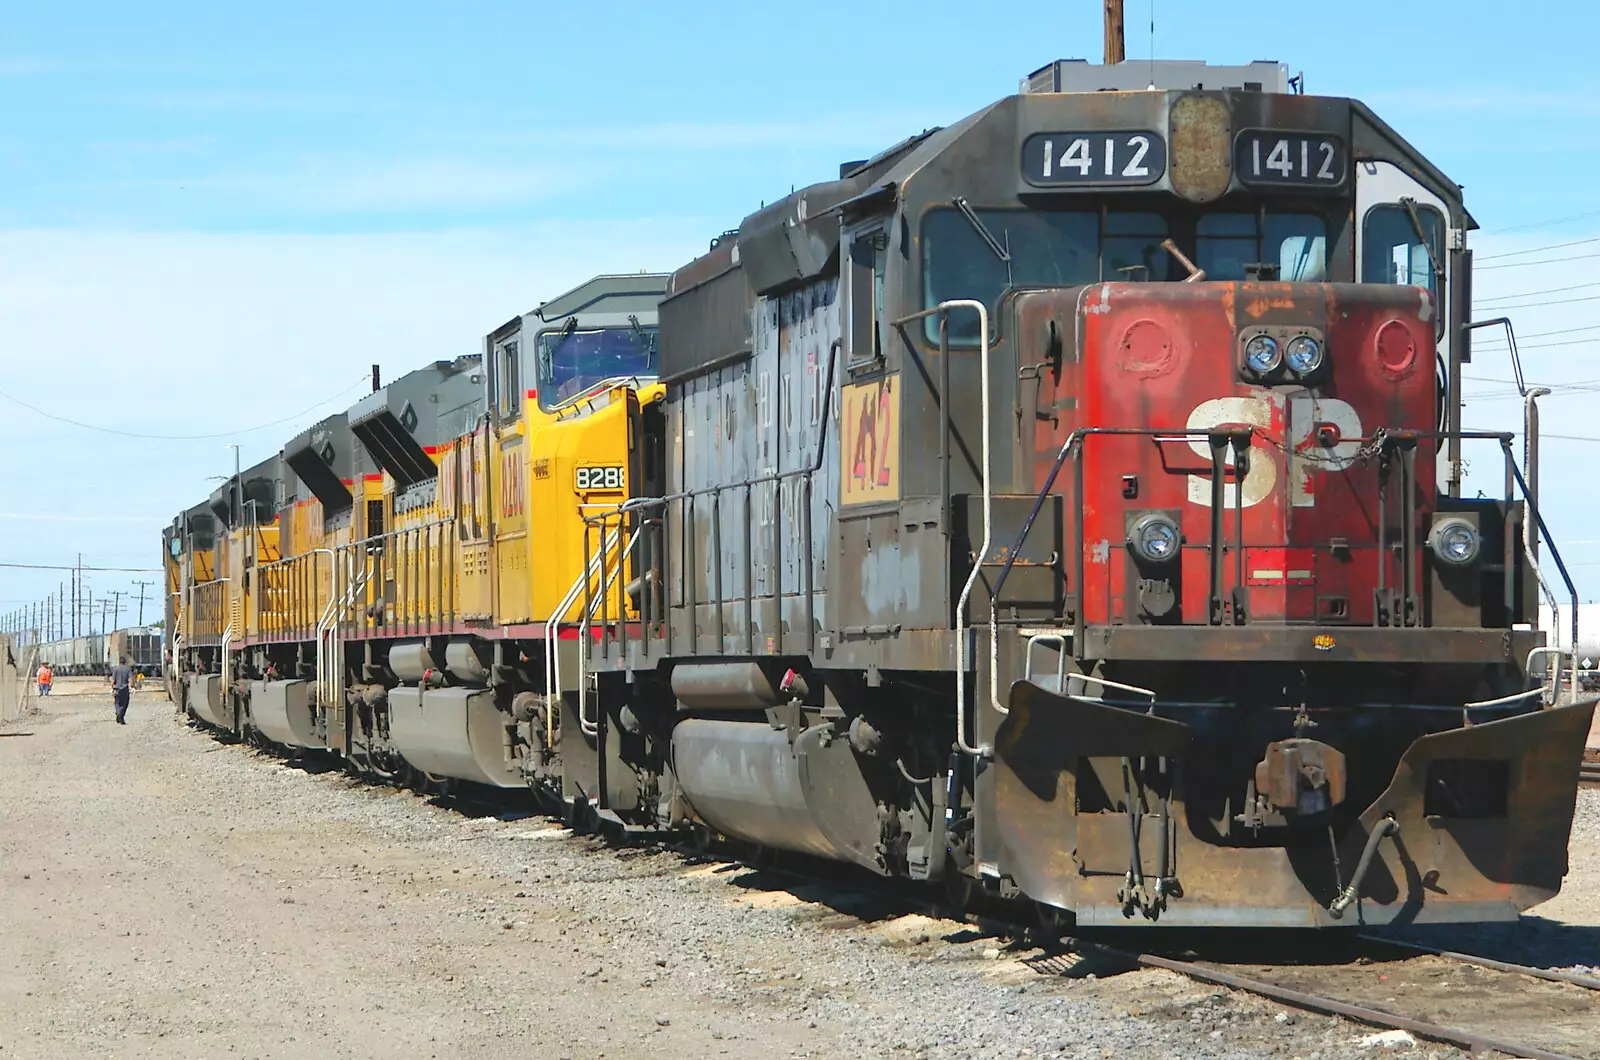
163	894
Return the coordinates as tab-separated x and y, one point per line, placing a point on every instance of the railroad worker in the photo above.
121	687
47	678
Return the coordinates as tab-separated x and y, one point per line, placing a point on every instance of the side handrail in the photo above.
1530	507
942	310
593	728
552	654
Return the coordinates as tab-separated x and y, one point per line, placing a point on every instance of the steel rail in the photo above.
1588	982
1457	1036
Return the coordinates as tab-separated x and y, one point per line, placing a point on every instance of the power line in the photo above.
1538	345
179	437
1534	294
1553	301
1510	382
1543	435
1536	250
69	566
1547	224
1541	261
1561	331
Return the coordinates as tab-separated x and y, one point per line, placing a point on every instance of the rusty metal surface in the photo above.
1301	775
1519	855
1365	644
1200	146
1068	849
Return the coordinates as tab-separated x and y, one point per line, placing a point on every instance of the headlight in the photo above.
1455	541
1304	355
1262	354
1155	538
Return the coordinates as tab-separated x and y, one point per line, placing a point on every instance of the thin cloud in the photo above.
340	186
48	517
1479	100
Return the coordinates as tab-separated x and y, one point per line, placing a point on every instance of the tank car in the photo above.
1066	504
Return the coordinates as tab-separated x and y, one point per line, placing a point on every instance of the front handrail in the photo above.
1237	438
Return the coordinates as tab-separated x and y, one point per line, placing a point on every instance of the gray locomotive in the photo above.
1067	503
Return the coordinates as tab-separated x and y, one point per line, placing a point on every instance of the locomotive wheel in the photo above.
1052	922
960	891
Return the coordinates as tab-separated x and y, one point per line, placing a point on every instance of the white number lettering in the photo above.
1136	166
600	478
1049	157
1279	159
1255	156
1305	158
1077	156
1111	151
1326	172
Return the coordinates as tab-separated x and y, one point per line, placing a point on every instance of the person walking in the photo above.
47	678
121	687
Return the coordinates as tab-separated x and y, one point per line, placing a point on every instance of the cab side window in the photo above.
1404	243
508	373
1394	251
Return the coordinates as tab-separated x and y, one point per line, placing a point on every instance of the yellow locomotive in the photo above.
393	585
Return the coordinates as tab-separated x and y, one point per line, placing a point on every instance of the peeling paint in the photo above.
1425	311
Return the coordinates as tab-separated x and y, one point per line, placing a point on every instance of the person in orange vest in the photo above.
47	678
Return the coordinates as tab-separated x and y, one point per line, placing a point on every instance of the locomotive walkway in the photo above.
165	895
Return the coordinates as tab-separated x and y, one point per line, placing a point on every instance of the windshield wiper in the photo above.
547	354
982	229
1410	205
644	340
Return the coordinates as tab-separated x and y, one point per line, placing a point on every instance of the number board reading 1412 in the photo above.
1263	156
1076	159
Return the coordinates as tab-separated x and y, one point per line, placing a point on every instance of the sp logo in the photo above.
1318	434
1323	642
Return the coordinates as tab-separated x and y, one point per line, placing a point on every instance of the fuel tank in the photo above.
205	700
454	732
281	710
743	779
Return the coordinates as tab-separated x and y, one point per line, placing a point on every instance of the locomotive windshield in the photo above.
1058	248
573	359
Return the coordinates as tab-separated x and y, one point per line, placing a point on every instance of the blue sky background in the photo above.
264	200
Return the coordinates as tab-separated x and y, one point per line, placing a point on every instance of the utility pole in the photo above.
116	609
1114	49
77	592
142	586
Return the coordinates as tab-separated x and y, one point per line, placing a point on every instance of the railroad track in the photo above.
1267	983
1557	993
1589	774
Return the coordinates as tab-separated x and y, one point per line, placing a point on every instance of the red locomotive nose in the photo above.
1166	371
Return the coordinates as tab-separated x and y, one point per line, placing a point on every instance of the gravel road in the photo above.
164	895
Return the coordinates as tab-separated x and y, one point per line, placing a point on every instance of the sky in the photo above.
215	217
